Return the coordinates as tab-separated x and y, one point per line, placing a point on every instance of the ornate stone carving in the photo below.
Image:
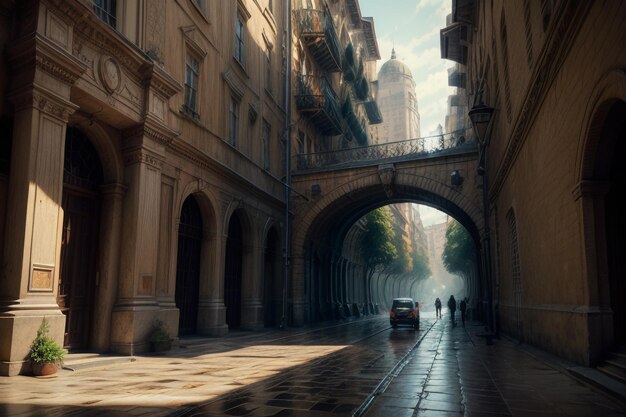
54	69
48	106
110	74
387	175
141	156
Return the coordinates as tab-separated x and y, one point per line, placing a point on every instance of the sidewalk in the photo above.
469	377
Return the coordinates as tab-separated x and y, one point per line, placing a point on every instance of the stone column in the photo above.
251	291
30	270
109	250
135	312
590	196
211	309
295	290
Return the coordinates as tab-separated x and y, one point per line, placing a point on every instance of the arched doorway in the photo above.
82	178
188	266
272	288
233	272
614	138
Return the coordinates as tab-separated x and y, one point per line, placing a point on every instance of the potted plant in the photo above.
45	354
160	340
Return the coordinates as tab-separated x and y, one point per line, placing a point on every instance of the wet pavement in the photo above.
456	373
358	368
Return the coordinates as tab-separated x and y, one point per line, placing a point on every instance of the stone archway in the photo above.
601	152
82	179
188	266
354	192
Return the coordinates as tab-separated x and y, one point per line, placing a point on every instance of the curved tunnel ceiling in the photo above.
331	225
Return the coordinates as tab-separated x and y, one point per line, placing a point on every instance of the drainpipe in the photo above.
287	133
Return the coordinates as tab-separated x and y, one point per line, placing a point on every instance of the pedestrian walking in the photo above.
463	307
452	308
438	308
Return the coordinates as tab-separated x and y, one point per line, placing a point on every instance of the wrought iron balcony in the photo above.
316	96
454	41
317	31
412	149
456	77
373	112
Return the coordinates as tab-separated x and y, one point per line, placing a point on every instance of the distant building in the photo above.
398	102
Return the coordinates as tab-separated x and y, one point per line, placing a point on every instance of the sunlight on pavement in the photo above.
165	381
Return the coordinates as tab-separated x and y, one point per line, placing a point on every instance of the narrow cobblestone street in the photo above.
333	370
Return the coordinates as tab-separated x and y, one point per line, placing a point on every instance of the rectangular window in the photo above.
200	4
192	69
268	70
266	145
233	112
239	39
106	10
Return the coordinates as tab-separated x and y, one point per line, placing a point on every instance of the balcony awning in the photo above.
454	43
463	10
373	112
456	77
370	38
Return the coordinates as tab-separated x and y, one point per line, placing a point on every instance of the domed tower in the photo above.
397	101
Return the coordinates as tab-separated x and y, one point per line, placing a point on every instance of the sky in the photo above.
412	28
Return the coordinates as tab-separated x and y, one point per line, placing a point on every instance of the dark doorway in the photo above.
188	266
272	288
232	273
82	178
615	133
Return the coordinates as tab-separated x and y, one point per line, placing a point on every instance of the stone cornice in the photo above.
205	162
38	52
43	100
141	155
153	129
569	19
161	81
586	188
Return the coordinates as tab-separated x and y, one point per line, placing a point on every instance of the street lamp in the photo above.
481	117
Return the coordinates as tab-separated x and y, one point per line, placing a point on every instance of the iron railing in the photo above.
398	151
317	24
315	94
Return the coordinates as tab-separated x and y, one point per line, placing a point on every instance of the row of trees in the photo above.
387	250
459	252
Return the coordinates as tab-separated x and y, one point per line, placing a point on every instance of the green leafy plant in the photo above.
44	348
159	333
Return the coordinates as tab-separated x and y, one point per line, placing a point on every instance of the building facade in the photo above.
398	102
141	170
558	86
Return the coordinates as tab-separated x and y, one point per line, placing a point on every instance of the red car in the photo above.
404	311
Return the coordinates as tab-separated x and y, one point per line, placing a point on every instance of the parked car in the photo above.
404	311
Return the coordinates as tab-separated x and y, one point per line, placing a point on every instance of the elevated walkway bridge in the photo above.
332	190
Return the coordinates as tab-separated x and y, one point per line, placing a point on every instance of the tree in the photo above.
421	266
459	255
380	249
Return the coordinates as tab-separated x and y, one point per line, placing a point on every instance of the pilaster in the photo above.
30	271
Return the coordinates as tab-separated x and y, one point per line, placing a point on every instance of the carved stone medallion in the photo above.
110	74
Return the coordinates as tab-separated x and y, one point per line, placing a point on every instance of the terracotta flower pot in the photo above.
44	368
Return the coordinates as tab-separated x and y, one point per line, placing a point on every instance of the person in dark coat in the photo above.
438	308
452	308
463	307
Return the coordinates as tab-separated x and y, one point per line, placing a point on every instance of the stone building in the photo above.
141	170
556	77
398	102
334	62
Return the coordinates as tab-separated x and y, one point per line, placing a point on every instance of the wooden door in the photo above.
188	266
232	274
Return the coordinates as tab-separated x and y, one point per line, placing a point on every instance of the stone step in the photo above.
613	371
80	361
618	359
